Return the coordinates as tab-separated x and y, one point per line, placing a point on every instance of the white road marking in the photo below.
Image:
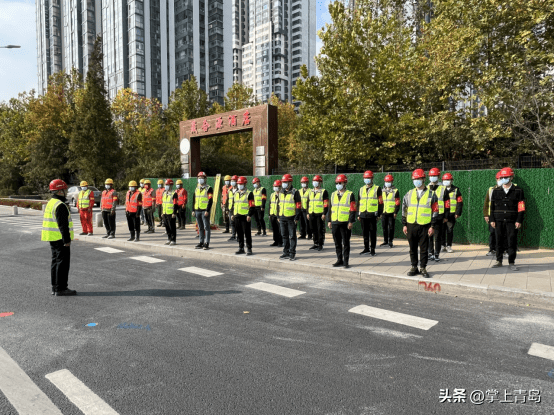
201	272
79	394
110	250
147	259
399	318
21	391
278	290
541	350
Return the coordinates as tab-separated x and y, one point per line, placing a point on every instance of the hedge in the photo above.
22	203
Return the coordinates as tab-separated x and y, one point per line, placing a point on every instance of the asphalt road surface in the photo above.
164	335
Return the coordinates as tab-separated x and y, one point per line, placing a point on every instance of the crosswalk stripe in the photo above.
147	259
278	290
110	250
542	351
21	391
399	318
79	394
201	272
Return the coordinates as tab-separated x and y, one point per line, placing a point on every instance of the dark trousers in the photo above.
492	238
160	216
388	222
133	221
182	215
109	222
436	240
260	221
288	231
170	227
317	226
226	218
244	231
149	216
305	225
418	237
277	237
59	270
506	240
448	231
369	231
341	235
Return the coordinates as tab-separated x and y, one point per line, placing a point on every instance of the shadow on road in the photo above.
161	293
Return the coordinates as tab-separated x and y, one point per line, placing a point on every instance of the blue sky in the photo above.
18	67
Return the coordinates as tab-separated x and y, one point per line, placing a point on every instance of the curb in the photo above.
491	293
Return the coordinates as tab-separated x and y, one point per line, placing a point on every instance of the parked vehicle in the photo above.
73	195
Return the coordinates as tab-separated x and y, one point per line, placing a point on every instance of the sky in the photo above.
18	67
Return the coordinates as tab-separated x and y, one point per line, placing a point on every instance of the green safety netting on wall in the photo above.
538	185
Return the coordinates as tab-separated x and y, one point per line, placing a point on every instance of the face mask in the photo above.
275	189
388	184
241	187
256	185
160	186
167	187
499	182
446	183
142	185
233	183
315	184
505	181
434	179
227	183
178	186
131	188
84	188
107	186
304	185
285	185
418	183
339	186
367	181
201	181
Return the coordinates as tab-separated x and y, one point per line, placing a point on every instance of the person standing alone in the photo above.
85	202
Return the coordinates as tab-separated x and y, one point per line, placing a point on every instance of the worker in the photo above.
202	203
85	203
182	197
288	212
420	213
141	189
243	210
391	200
133	208
455	211
260	198
507	208
232	192
170	201
370	210
444	210
107	206
273	218
159	201
304	191
318	205
148	205
341	218
487	214
225	203
57	229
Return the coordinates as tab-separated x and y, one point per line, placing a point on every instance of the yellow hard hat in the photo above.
179	182
83	183
160	182
142	180
133	183
147	181
108	182
227	178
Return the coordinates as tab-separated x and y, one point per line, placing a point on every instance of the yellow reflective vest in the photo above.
50	228
420	212
368	199
315	203
340	206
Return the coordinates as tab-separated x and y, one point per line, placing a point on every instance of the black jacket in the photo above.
62	217
508	207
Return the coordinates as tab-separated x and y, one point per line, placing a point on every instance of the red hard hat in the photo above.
242	180
277	183
418	174
434	172
234	177
505	172
57	185
368	174
389	178
498	175
286	177
318	178
201	174
256	180
304	179
447	176
169	182
341	178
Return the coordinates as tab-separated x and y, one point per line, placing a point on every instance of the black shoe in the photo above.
292	257
437	259
66	292
491	253
431	256
206	246
384	244
320	248
111	237
372	252
241	251
231	239
131	239
264	233
249	252
390	245
314	247
497	264
83	233
105	236
280	245
159	225
338	263
275	244
302	237
168	242
258	233
136	240
413	271
89	234
225	232
513	267
424	273
366	250
346	265
284	256
199	246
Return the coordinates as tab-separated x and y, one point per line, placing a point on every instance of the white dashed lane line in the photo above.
399	318
110	250
278	290
542	351
201	272
147	259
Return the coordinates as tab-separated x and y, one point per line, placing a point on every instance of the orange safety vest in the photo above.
147	198
159	196
107	199
131	201
182	196
225	194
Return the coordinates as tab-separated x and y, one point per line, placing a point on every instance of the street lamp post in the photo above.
11	46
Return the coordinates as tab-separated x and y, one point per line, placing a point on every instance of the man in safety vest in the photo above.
57	229
141	189
225	203
444	211
243	210
455	211
288	212
148	205
487	214
107	206
231	199
370	209
273	218
202	204
507	207
304	191
182	195
85	202
170	206
318	205
260	197
133	208
391	201
420	214
159	202
341	217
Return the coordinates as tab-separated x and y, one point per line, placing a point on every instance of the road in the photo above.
238	340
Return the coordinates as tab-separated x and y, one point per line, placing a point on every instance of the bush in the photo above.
26	190
22	203
6	192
